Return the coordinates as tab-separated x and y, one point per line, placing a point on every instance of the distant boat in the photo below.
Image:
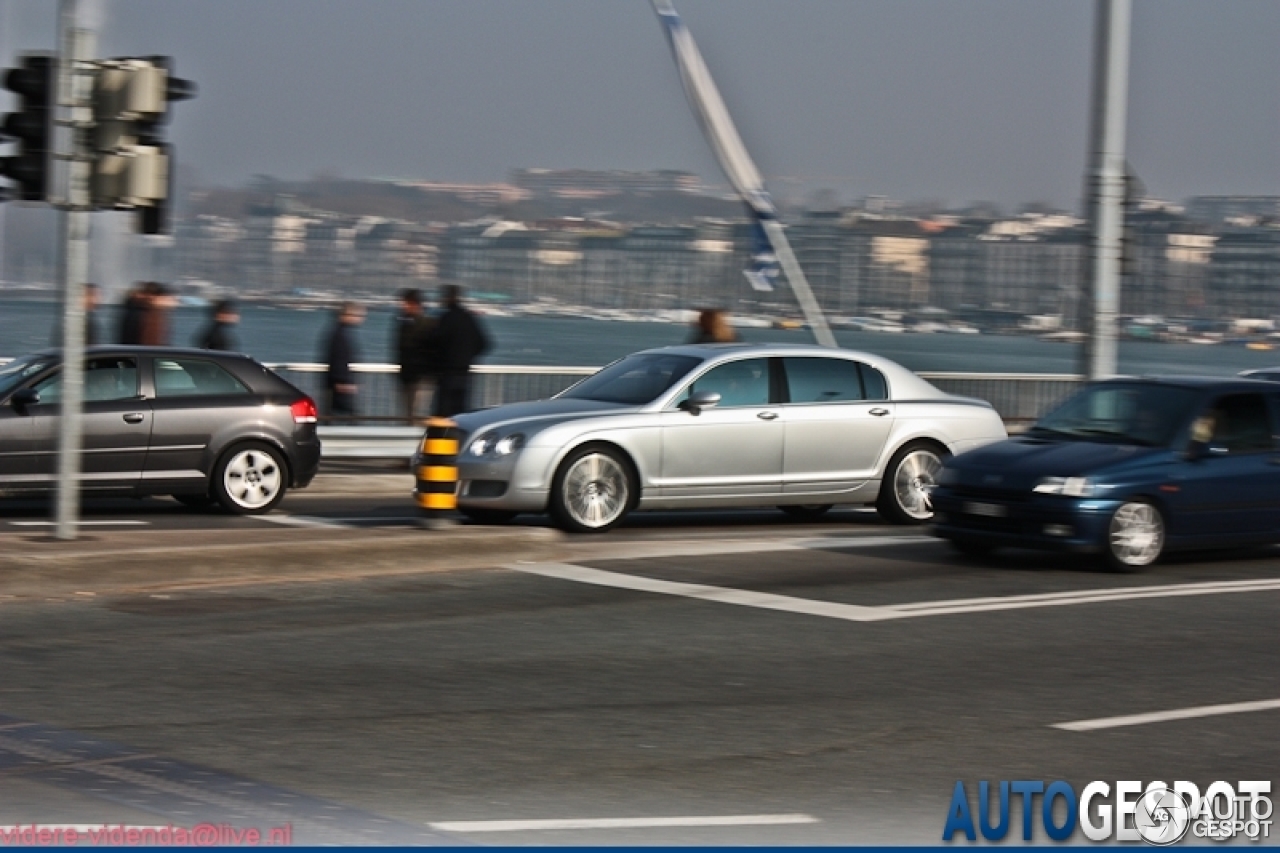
1262	346
1064	337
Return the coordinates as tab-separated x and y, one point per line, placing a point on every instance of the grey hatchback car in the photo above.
201	426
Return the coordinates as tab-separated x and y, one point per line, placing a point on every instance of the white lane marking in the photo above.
621	822
724	595
1165	716
1083	596
298	521
123	522
878	613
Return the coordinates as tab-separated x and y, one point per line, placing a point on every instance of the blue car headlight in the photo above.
1072	487
947	477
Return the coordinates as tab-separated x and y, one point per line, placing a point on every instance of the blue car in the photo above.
1128	469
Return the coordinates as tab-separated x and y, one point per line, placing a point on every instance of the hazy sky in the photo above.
958	100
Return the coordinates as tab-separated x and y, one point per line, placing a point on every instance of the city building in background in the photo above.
610	243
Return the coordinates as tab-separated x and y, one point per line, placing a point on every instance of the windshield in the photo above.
635	380
1139	413
13	374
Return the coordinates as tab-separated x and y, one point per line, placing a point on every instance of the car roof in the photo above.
1219	383
903	383
130	349
772	349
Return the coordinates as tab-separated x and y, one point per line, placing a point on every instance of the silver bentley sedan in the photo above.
721	425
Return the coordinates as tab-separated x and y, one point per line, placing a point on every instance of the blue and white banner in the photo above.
772	251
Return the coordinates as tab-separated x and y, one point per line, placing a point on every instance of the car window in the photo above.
1146	414
634	380
185	377
1239	423
739	383
822	380
873	383
104	379
13	374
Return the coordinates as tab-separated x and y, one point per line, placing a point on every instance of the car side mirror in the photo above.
24	397
700	400
1197	450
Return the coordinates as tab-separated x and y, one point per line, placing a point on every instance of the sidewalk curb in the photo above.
47	569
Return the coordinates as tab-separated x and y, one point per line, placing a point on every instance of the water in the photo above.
285	334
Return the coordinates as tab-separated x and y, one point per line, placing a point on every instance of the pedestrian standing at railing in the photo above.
220	333
159	301
135	306
339	355
411	335
457	341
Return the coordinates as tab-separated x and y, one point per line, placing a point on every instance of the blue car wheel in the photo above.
1135	536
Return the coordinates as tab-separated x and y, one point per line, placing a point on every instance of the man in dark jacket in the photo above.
458	340
136	302
340	354
410	334
220	335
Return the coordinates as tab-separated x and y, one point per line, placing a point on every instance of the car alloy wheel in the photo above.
1135	537
250	479
593	491
904	493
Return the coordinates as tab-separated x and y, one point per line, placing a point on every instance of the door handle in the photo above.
134	418
879	413
766	416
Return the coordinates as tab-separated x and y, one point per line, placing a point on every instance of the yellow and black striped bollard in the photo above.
437	476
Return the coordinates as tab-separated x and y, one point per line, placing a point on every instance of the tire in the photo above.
806	512
250	478
487	516
1135	536
903	496
195	501
971	549
593	491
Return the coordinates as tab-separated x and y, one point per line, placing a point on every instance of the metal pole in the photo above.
6	26
73	122
1106	182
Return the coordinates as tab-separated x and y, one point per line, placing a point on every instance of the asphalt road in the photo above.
799	683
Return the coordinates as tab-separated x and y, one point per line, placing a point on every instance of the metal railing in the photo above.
1018	397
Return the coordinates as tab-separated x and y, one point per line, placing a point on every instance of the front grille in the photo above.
485	488
987	493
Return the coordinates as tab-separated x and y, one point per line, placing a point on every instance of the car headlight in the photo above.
947	477
483	443
1072	487
510	444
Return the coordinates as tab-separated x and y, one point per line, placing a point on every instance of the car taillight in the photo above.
304	411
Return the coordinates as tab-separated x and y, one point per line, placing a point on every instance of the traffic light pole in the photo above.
1106	186
73	120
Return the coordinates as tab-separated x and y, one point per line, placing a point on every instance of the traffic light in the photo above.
133	166
30	126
